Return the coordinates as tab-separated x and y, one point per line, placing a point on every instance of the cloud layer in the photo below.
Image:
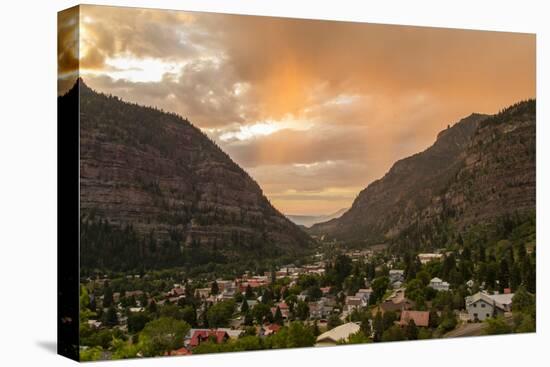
314	110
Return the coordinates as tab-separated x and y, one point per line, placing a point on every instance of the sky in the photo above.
313	110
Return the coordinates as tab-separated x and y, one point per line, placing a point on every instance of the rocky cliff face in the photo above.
160	175
477	170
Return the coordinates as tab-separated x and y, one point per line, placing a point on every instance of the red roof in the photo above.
274	327
201	335
179	352
420	318
283	305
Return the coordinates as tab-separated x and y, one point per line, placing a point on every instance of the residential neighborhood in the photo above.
337	298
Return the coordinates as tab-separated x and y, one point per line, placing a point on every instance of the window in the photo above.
487	315
483	305
475	305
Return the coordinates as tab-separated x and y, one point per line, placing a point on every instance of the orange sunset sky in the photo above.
313	110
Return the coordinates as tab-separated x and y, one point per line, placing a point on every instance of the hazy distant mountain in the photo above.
309	220
478	170
156	191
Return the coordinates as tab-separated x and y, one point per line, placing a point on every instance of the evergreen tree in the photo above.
504	275
365	324
389	319
248	319
214	290
152	307
110	317
412	331
249	294
244	307
278	317
378	326
302	310
107	296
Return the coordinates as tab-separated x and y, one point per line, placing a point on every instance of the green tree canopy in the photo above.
162	335
219	314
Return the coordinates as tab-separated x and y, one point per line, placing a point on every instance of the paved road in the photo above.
472	329
468	329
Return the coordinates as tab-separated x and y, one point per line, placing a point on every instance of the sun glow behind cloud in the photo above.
313	110
243	132
137	70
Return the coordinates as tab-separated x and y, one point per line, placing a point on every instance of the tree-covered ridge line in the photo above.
119	248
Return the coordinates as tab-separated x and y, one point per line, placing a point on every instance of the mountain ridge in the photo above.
157	176
419	189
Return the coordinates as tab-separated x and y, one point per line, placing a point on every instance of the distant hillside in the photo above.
480	169
157	192
309	220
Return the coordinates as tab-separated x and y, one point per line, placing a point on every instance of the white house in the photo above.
482	305
396	275
438	284
364	294
426	258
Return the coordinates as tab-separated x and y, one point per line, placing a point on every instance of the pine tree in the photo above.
412	331
107	297
152	307
378	326
111	318
278	317
214	290
244	307
248	319
249	294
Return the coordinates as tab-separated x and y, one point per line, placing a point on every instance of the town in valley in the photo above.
333	297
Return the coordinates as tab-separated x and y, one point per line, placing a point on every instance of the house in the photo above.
270	329
226	285
176	291
482	305
426	258
227	294
396	275
251	303
354	302
94	324
202	292
315	310
420	318
438	284
364	293
284	309
200	335
232	333
503	301
396	302
136	309
338	334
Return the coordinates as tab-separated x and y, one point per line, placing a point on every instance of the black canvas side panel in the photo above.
68	210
